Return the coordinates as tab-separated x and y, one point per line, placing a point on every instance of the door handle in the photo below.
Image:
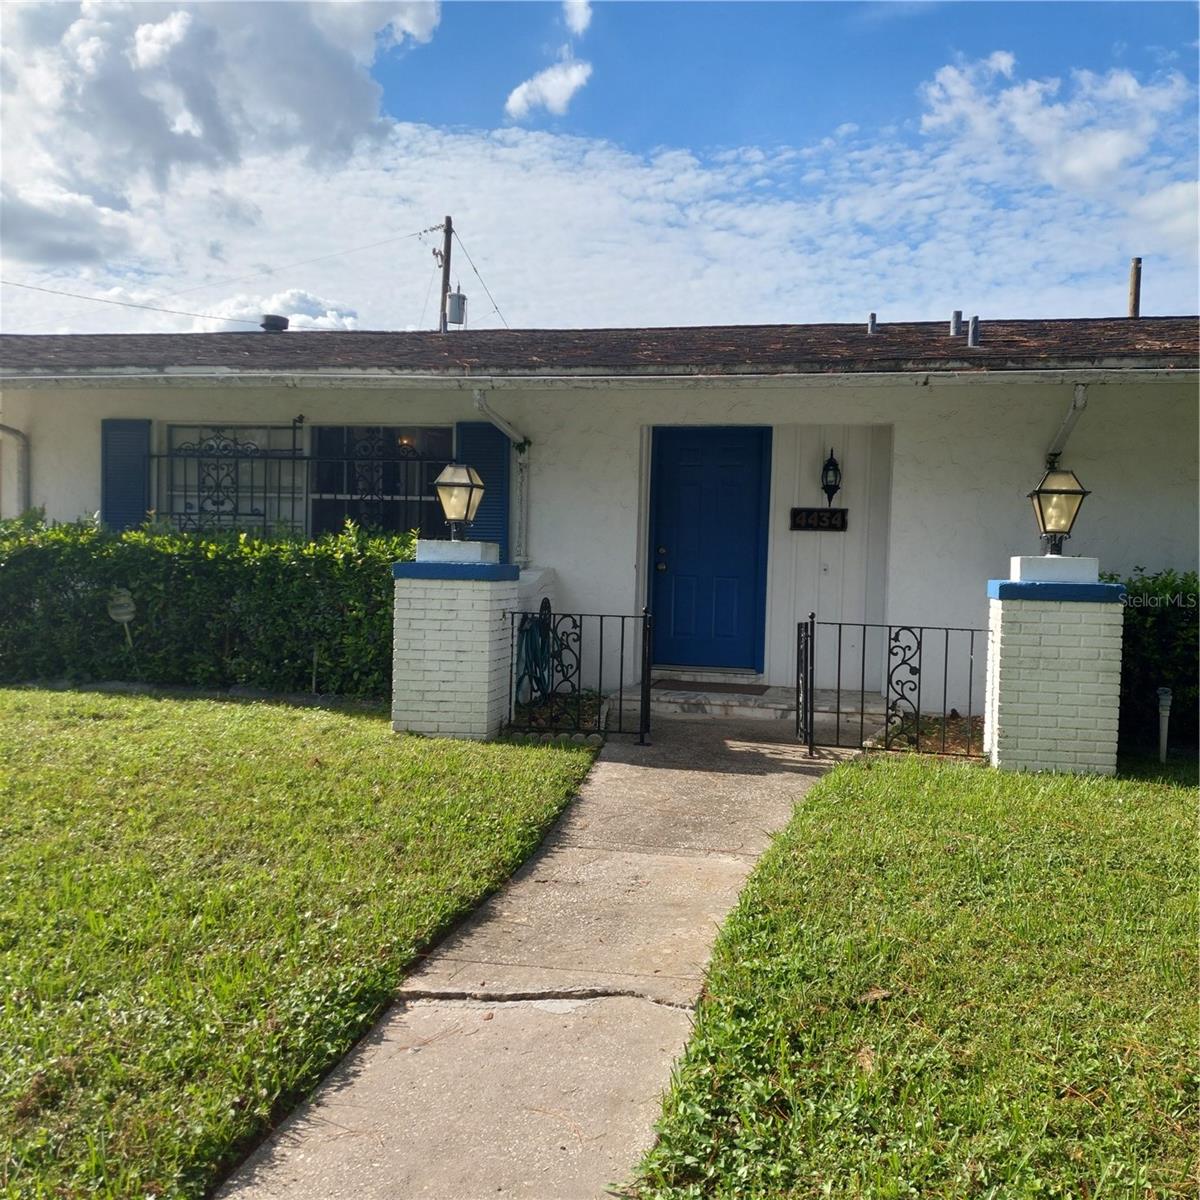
660	566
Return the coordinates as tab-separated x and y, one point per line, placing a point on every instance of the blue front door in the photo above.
708	545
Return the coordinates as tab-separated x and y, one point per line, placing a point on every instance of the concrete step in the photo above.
775	704
706	675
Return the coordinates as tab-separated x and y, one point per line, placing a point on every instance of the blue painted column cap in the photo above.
482	572
1077	593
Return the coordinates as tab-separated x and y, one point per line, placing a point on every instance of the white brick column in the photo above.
451	646
1054	670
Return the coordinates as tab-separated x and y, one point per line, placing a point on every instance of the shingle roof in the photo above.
1158	342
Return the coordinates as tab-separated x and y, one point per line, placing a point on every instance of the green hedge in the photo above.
214	611
211	611
1160	649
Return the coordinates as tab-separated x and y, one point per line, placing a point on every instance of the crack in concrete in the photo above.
700	852
519	997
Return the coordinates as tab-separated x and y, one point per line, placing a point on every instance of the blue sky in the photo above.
605	164
716	75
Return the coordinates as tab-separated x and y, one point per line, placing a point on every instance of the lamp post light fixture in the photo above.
1056	503
459	491
831	479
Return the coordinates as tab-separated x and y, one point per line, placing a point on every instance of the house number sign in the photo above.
818	520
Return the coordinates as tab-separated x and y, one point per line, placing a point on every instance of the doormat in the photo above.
704	685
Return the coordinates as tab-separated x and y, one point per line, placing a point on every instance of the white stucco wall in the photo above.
935	476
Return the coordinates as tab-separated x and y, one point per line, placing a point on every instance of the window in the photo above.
379	476
233	477
294	480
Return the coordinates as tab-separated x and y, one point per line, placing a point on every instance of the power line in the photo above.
495	306
234	278
175	312
303	263
260	274
428	293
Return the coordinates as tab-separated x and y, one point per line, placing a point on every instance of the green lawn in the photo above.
942	981
203	904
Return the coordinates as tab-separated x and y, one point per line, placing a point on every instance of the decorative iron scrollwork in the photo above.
903	681
367	465
219	442
218	484
231	477
548	657
565	655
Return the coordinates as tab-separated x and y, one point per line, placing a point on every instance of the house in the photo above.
644	467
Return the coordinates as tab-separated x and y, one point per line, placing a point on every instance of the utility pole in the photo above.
447	233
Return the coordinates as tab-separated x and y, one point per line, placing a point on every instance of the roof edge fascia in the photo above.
206	376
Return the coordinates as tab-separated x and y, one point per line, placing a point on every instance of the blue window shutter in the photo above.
481	445
124	473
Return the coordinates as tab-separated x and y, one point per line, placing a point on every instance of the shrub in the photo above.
1159	649
210	610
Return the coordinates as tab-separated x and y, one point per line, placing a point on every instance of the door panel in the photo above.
708	545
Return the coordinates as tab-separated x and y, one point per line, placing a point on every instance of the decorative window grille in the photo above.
283	480
378	476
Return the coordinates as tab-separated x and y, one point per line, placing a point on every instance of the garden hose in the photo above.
535	663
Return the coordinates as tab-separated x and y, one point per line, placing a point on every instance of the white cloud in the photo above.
302	309
102	94
362	28
578	15
1080	136
911	224
152	43
1168	217
551	89
48	225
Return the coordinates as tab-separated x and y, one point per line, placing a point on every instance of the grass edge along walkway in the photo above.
204	904
946	981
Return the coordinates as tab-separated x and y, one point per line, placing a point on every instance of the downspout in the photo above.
23	461
1078	404
521	444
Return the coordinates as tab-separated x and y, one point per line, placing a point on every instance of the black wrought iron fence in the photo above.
228	479
580	672
890	687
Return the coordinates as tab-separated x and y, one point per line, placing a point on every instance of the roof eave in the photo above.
914	374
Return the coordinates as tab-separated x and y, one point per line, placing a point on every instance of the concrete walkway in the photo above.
527	1055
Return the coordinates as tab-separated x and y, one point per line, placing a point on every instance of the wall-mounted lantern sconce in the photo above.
459	491
1056	503
831	478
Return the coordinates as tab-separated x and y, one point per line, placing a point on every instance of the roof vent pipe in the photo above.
973	332
1135	287
274	324
956	323
870	322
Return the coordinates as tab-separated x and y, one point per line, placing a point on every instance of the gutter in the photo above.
23	464
521	444
460	382
1078	404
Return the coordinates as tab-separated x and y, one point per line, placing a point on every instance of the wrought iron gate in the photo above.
893	687
580	672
